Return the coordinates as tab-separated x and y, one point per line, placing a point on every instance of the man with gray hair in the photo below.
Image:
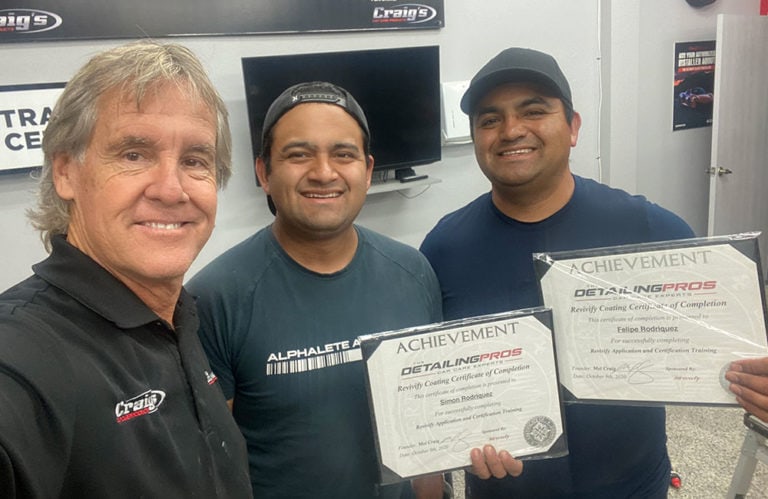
104	388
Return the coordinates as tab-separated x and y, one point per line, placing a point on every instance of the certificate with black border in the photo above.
440	390
655	323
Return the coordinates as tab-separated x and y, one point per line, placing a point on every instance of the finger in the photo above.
759	412
495	466
752	402
513	466
757	367
479	467
757	386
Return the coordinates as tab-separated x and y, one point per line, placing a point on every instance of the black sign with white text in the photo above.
83	19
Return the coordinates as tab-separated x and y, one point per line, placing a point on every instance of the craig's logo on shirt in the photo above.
140	405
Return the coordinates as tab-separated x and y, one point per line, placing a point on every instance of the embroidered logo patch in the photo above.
140	405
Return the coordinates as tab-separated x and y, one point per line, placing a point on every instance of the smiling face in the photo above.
143	199
522	138
319	174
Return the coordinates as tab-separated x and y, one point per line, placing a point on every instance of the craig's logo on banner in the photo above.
407	13
23	21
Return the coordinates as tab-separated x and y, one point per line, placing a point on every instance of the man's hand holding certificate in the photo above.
438	391
655	322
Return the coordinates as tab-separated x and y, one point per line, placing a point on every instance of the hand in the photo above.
487	463
749	381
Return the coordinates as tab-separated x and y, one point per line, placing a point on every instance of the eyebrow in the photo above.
138	141
207	149
314	147
531	101
130	141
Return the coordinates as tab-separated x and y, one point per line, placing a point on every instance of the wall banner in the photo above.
694	85
24	113
31	20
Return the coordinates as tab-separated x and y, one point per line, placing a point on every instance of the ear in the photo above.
261	174
65	170
575	126
369	171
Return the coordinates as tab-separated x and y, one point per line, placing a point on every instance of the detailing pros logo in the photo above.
140	405
409	13
27	21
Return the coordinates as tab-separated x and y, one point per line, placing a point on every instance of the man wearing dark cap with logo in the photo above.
281	311
523	126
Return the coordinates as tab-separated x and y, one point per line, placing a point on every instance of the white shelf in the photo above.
396	185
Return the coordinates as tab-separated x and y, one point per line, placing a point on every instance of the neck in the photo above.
318	253
531	203
160	294
161	298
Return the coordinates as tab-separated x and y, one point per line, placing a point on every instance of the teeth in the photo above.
157	225
517	151
323	196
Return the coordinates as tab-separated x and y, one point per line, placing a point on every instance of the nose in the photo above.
513	128
167	183
323	169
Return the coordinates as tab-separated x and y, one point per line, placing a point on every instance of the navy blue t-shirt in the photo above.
483	260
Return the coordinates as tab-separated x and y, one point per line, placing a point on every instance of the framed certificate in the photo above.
658	322
440	390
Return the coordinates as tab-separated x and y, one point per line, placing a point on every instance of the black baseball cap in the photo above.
517	65
302	93
312	91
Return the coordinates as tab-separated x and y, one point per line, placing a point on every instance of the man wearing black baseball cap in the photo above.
523	127
281	311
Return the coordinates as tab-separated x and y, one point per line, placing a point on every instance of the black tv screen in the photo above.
398	88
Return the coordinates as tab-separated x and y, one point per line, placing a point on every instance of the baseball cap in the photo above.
302	93
313	91
517	65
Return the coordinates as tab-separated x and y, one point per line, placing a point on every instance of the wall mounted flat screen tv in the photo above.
398	88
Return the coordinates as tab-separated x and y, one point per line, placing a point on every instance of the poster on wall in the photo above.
694	84
30	20
24	113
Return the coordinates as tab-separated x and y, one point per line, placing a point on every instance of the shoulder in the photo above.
619	205
391	251
37	338
395	262
458	222
246	260
458	218
392	265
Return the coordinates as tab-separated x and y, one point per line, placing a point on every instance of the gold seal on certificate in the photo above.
438	391
655	322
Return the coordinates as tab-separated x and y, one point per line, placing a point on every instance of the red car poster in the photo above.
694	84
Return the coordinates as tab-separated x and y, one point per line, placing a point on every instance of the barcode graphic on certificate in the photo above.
315	362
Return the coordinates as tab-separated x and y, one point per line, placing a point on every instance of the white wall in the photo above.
643	154
639	151
474	32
